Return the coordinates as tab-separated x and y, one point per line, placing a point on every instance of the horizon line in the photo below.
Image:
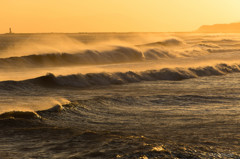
93	32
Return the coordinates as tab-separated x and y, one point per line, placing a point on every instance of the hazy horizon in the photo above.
92	32
114	16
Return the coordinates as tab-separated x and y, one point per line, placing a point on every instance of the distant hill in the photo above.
220	28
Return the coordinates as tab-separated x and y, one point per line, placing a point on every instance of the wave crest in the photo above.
20	115
98	79
167	42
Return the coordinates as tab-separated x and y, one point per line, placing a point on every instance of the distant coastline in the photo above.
220	28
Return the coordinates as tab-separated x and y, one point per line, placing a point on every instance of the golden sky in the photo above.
114	15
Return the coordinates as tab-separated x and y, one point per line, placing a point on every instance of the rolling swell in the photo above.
94	57
117	55
29	115
167	42
101	79
20	114
114	54
222	50
91	57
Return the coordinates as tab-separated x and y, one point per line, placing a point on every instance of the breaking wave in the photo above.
117	55
110	55
20	115
167	42
30	114
220	41
161	53
101	79
222	50
208	45
94	57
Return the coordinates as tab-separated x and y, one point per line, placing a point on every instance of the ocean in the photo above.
119	95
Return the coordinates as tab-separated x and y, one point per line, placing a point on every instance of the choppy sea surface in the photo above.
120	95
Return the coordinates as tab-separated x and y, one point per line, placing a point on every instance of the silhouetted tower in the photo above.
10	30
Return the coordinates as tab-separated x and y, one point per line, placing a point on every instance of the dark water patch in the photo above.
108	145
19	123
101	128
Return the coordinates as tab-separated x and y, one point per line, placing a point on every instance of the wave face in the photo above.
167	42
94	57
19	114
103	79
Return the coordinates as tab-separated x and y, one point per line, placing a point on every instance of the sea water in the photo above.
120	95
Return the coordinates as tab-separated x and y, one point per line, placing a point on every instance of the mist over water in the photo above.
119	95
